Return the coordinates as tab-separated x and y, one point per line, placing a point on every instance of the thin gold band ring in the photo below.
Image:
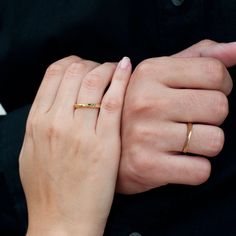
188	137
87	105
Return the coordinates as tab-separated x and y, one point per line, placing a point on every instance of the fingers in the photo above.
50	84
197	106
112	103
183	169
170	137
224	52
68	90
196	49
183	105
92	90
194	73
158	168
206	140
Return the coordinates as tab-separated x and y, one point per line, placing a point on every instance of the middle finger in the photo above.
196	106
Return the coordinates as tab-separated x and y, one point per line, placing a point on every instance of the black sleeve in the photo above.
13	213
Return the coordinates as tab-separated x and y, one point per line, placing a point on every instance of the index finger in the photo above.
194	73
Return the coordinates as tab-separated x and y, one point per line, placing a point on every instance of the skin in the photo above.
70	158
163	95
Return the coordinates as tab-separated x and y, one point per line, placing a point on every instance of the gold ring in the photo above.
188	137
87	105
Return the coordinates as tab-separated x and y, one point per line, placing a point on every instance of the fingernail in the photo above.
124	63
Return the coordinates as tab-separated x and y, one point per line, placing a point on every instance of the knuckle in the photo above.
216	141
111	105
73	58
53	70
79	142
221	106
109	65
152	65
142	104
203	174
30	126
75	69
92	81
206	42
139	165
34	124
54	131
147	105
68	60
138	105
143	67
139	133
217	71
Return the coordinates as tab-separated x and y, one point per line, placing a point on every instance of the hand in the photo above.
69	159
165	94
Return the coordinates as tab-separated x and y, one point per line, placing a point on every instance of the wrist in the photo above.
62	228
59	231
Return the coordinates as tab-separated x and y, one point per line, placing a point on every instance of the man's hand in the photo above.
165	94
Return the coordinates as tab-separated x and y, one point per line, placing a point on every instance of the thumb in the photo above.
224	52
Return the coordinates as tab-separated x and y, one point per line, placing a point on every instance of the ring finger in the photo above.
205	140
91	91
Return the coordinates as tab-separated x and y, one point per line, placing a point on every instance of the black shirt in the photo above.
34	34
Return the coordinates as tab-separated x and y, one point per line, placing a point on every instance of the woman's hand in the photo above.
70	157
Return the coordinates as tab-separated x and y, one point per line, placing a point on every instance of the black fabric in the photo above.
34	34
13	214
8	218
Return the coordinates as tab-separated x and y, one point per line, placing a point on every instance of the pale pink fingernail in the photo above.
124	63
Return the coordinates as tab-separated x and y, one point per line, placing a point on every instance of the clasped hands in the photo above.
72	160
